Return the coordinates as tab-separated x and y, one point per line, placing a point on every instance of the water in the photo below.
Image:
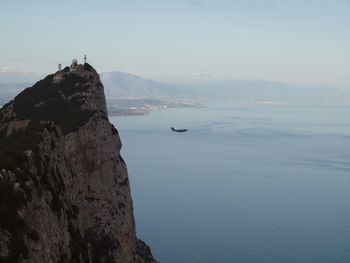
244	184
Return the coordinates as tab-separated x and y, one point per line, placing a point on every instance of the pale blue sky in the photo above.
297	41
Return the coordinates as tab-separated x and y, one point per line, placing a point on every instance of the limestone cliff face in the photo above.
64	188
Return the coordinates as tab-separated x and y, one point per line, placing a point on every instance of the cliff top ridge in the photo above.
68	97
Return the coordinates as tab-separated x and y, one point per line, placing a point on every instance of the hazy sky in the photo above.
298	41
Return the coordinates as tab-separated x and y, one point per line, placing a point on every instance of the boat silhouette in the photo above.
178	130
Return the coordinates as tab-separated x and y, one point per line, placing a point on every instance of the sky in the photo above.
293	41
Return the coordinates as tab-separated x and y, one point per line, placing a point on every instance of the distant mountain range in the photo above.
259	91
121	85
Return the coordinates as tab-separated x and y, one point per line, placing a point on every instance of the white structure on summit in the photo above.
74	64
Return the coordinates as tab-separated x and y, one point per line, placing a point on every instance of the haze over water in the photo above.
244	184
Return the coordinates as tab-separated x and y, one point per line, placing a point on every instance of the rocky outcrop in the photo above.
64	188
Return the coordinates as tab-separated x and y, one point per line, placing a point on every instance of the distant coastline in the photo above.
137	106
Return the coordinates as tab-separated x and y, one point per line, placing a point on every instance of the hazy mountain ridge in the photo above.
121	85
268	91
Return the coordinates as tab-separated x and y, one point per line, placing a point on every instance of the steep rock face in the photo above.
64	188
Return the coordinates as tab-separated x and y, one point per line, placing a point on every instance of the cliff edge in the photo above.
64	188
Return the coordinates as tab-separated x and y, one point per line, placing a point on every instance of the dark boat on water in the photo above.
178	130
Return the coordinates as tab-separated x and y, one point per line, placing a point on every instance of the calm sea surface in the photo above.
244	184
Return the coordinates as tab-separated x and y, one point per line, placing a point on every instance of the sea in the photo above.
245	183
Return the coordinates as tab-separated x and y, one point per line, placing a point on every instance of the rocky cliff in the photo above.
64	188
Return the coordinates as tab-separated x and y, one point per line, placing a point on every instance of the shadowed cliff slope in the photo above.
64	188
